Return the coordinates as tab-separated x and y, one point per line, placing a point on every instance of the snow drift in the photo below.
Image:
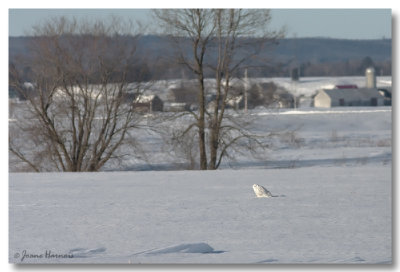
184	248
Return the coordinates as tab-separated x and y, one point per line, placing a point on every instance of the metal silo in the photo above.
294	74
370	77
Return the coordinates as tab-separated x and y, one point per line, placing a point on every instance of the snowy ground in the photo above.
306	137
332	169
322	215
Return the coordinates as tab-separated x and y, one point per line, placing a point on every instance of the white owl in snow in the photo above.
260	191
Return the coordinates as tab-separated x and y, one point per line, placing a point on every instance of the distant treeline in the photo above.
313	57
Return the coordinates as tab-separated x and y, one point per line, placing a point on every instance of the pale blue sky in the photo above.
333	23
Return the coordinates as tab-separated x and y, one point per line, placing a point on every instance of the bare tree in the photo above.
215	37
75	116
194	24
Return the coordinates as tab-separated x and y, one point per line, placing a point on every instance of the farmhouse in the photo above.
348	97
147	103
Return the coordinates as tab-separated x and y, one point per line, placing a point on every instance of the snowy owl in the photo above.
260	191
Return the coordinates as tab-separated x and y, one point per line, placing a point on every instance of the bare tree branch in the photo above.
215	37
78	102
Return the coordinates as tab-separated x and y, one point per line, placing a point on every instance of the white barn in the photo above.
327	98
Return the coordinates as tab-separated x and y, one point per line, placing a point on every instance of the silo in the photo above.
370	77
294	74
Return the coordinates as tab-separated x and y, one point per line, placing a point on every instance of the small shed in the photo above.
327	98
147	103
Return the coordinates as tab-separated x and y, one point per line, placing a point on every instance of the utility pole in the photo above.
246	88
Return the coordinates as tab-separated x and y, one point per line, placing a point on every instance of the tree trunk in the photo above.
214	126
201	125
213	149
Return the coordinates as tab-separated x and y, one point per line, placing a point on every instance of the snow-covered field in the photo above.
332	176
331	168
304	137
322	215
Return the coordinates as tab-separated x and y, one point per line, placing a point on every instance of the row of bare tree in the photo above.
73	124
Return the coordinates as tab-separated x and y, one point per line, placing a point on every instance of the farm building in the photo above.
348	97
386	92
147	103
235	102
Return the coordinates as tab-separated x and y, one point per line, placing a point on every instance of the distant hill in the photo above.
327	50
304	49
298	50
